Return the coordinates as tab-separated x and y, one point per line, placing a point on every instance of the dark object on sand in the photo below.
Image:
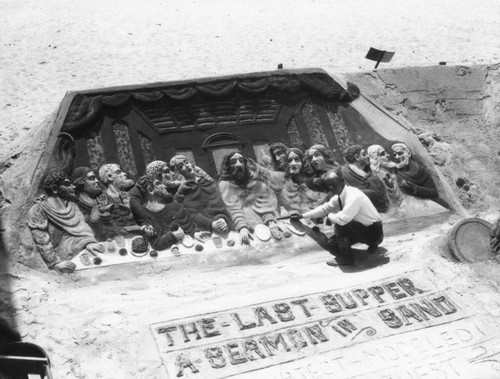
123	252
198	247
153	253
140	246
97	261
379	55
230	243
23	360
469	240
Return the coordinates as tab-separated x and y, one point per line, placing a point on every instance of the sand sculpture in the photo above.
215	135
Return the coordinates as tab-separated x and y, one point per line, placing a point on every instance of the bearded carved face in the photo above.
92	186
160	189
237	166
294	164
317	160
120	179
65	190
402	156
280	158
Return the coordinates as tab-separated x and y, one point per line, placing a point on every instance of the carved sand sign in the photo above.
340	333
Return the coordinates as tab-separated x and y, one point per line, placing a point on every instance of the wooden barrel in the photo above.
469	240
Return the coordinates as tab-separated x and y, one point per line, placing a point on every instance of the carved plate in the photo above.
469	240
262	232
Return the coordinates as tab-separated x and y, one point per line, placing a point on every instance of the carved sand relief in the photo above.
287	336
147	163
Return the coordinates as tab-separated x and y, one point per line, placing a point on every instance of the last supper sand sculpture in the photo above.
162	212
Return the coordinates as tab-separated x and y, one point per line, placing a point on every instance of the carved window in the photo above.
261	151
147	148
220	144
96	152
124	147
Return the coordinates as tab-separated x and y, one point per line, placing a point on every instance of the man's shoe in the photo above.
336	262
372	249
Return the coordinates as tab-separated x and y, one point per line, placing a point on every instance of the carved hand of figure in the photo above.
388	181
276	231
202	236
251	164
220	226
106	209
245	236
65	267
186	187
95	215
95	248
148	230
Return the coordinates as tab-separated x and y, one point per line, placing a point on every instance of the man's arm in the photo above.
323	209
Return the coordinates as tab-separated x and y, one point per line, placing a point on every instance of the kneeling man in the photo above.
357	221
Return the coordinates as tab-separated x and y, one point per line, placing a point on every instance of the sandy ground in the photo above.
50	47
95	324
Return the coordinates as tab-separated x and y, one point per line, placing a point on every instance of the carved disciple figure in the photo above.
382	167
293	195
199	190
320	161
278	152
171	180
249	201
160	212
117	183
357	173
413	178
58	226
94	204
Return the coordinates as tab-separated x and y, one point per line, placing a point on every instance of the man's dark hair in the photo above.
338	182
54	178
225	169
144	183
351	152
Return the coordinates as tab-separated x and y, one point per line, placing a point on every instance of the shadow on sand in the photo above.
364	261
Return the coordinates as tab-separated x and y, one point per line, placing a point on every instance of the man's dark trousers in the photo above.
351	233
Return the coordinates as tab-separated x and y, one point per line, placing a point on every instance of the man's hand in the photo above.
65	267
296	216
245	236
95	248
219	226
148	230
330	219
